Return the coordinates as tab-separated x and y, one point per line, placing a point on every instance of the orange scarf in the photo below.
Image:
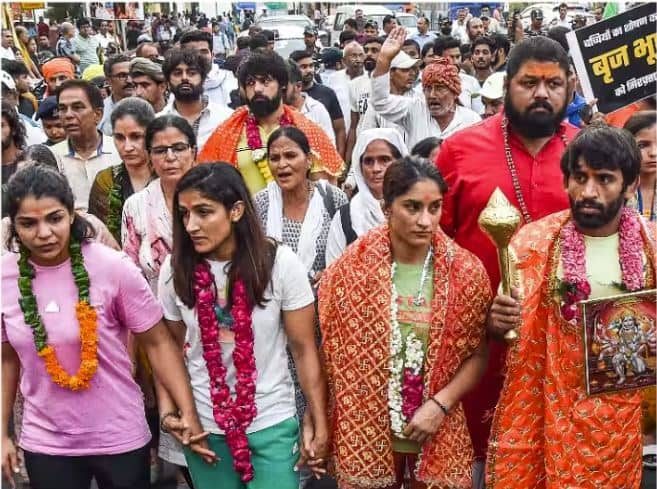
546	432
354	311
222	145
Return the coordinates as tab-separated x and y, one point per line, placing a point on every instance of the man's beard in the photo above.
307	80
484	65
534	125
187	95
369	64
262	106
595	221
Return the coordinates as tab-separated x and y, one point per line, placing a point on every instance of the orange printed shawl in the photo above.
547	433
222	144
354	309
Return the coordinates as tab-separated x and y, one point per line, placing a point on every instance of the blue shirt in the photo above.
423	39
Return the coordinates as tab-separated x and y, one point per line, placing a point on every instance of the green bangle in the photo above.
442	407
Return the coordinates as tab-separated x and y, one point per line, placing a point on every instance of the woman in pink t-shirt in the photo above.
68	305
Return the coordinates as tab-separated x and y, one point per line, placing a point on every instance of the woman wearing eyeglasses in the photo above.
146	229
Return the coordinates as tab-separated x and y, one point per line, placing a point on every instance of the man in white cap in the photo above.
492	94
33	133
403	73
435	113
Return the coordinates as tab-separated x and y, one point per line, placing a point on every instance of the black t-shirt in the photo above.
327	97
25	107
131	37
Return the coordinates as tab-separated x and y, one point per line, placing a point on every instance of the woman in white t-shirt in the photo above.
235	299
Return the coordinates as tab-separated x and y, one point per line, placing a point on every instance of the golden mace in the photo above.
500	220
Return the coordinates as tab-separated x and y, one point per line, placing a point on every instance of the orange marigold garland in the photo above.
85	313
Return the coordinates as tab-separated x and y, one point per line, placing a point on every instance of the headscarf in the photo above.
365	209
57	65
442	72
93	71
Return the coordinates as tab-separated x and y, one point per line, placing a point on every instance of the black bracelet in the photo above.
165	416
442	407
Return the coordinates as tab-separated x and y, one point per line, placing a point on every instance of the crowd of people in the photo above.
245	271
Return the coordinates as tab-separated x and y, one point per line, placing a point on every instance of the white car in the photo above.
408	21
282	22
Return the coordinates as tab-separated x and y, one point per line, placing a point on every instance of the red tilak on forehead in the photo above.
542	70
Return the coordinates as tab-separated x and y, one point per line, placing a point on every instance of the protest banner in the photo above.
615	58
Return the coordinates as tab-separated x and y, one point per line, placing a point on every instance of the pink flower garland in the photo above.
573	258
233	416
411	393
253	134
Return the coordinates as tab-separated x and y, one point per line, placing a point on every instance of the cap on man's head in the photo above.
48	109
310	31
372	23
493	88
331	56
403	61
144	38
537	14
93	71
144	66
7	80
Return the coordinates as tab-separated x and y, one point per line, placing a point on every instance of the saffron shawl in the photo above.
354	310
547	433
222	144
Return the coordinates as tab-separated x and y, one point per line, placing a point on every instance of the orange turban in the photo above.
442	72
57	65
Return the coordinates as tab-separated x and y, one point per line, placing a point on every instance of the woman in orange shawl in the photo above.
372	310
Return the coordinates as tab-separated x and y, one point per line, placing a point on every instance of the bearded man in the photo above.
242	139
185	71
598	248
436	113
522	148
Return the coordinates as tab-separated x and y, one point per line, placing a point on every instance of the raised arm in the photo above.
395	108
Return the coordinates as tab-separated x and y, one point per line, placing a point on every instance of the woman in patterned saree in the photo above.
115	184
402	315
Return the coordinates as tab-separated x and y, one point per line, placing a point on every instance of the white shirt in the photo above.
220	43
315	111
562	23
81	173
218	85
460	31
105	124
372	120
360	89
470	89
104	40
412	113
33	132
211	117
339	81
7	53
289	290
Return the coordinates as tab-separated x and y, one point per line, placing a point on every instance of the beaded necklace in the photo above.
514	172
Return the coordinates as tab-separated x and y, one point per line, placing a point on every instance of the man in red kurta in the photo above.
518	151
